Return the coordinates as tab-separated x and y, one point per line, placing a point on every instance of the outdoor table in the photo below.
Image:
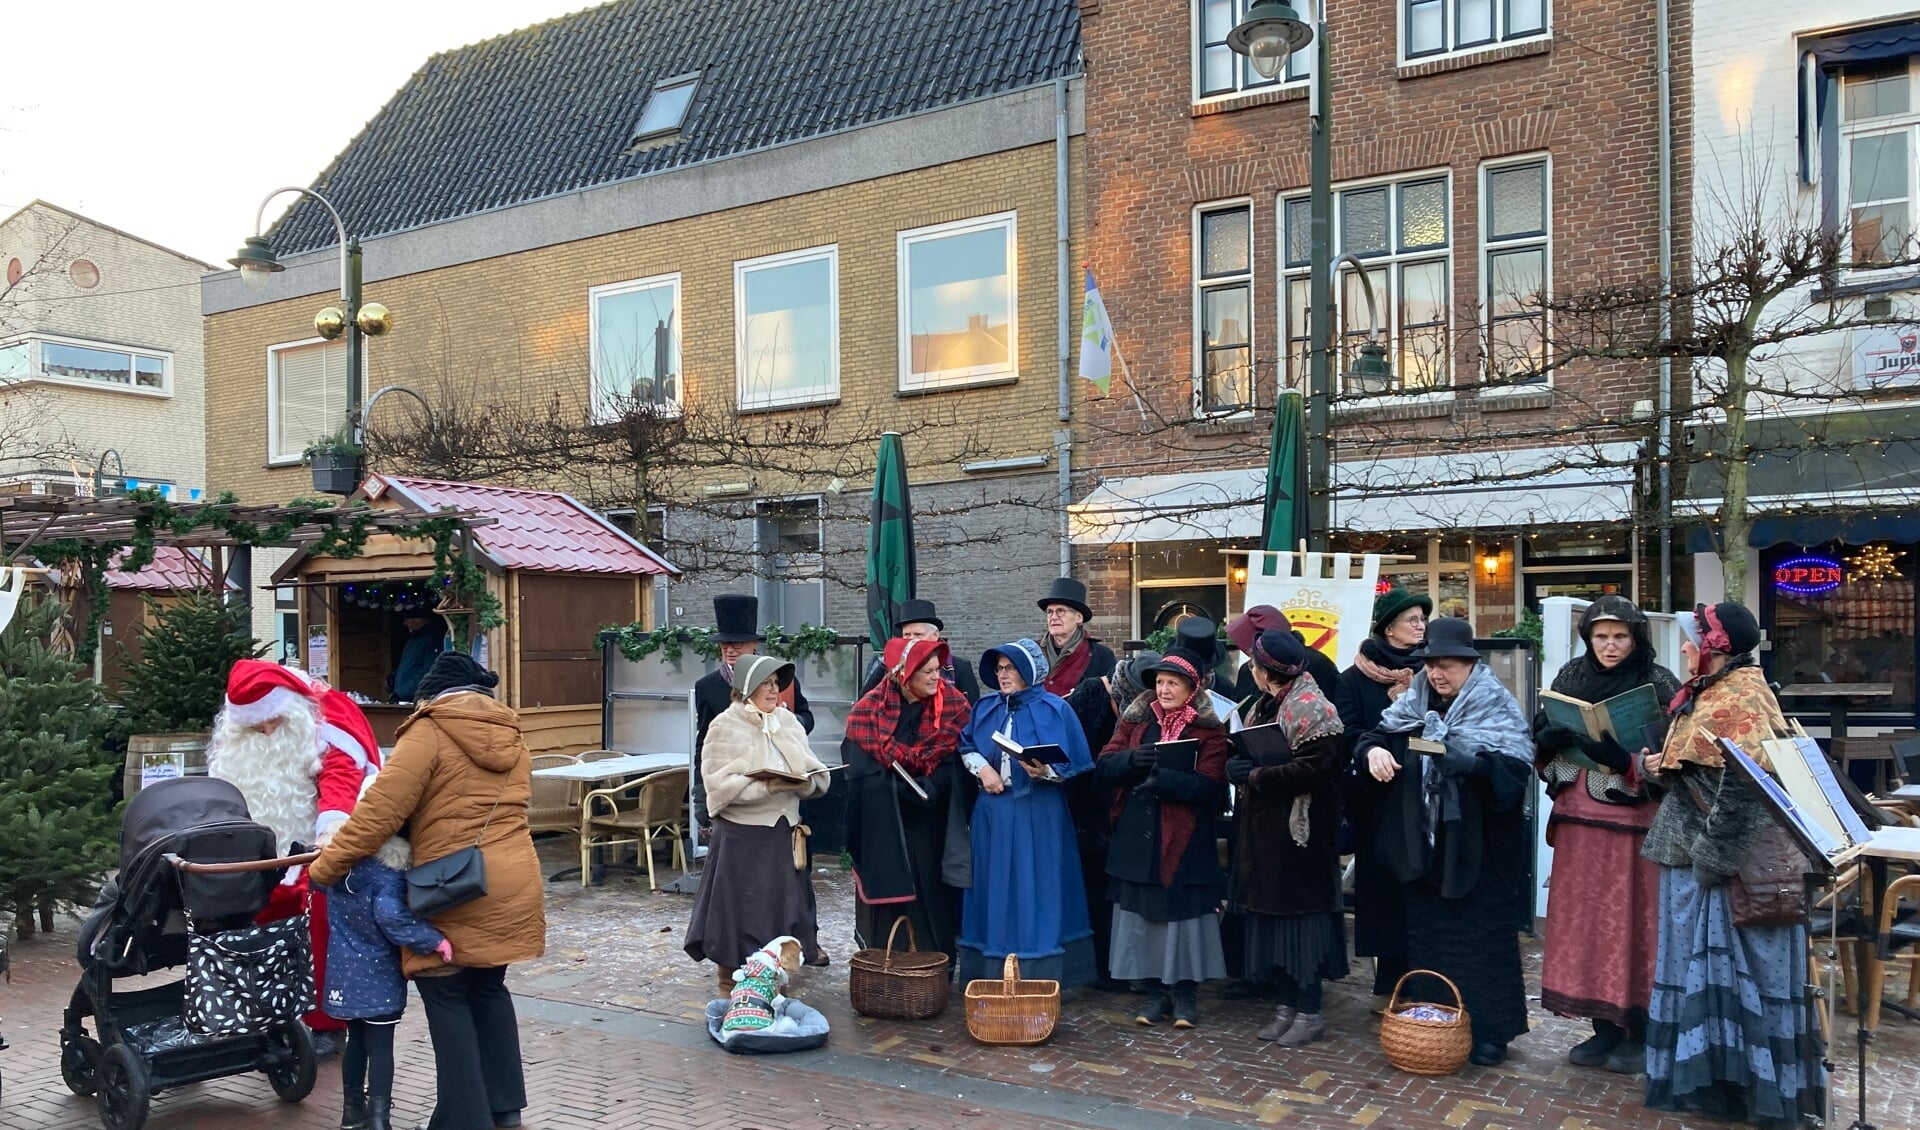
620	769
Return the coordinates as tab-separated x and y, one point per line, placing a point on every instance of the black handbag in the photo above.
244	981
453	880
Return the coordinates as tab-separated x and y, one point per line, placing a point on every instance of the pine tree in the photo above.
186	649
57	820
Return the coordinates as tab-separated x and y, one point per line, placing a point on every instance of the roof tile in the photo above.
536	530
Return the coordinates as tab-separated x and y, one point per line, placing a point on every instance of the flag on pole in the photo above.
1096	339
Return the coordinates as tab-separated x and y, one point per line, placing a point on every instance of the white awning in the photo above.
1514	489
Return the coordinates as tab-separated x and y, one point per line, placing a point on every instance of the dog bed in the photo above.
796	1028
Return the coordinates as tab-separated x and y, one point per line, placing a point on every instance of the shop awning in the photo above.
1515	489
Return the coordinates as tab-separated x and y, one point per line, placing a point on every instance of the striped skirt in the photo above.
1729	1034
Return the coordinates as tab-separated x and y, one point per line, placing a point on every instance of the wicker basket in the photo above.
898	986
1426	1047
1011	1011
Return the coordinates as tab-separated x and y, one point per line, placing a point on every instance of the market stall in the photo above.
555	573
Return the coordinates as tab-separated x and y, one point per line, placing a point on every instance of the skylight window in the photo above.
667	106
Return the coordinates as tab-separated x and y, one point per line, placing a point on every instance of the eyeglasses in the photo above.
1053	612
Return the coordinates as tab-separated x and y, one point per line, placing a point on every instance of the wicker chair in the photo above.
598	755
556	804
636	813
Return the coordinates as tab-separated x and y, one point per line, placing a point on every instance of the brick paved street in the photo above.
607	1027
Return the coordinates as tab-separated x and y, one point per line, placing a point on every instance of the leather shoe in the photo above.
506	1119
1488	1055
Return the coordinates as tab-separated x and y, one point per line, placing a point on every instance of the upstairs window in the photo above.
666	107
636	344
306	396
957	303
1517	242
1877	154
77	362
787	322
1439	27
1219	72
1223	308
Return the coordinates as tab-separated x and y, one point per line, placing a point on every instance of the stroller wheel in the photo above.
290	1064
124	1092
80	1065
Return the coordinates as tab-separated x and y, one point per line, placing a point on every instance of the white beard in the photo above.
277	773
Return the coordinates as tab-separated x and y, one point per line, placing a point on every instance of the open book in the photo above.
1624	717
1044	754
773	773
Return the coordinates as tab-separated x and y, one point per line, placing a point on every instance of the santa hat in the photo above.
346	729
258	691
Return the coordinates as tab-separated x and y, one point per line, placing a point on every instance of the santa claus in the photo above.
299	752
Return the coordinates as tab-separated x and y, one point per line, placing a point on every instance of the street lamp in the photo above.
357	320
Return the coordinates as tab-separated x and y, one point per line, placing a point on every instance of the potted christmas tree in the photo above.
335	460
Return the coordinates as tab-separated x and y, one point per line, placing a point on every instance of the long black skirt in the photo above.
1473	941
934	912
750	893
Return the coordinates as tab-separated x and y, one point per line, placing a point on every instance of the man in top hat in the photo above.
736	628
918	620
299	752
1199	637
1072	655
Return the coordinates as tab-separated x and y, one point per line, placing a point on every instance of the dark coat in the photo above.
886	818
367	920
1379	903
1100	661
1272	874
1140	851
1488	843
712	694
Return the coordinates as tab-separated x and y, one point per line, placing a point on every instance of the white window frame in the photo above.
1299	69
284	459
602	398
1201	285
1391	262
979	374
818	394
764	553
37	366
1449	24
1851	129
1489	247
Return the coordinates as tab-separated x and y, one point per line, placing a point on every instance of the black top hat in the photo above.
736	619
917	612
1069	592
1200	636
1448	637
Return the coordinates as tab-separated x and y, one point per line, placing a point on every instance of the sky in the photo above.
134	113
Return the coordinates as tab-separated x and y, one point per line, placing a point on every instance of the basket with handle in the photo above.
1012	1012
889	985
1426	1045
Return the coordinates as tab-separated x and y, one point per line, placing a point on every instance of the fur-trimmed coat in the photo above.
736	745
1163	819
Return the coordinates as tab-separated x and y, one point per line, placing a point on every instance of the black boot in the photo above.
1593	1051
1156	1008
1186	1004
353	1112
380	1113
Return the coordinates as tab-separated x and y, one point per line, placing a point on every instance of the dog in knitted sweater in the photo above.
753	1004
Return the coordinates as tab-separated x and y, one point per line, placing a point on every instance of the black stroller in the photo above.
173	839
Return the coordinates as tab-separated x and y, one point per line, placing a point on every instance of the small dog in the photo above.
753	1004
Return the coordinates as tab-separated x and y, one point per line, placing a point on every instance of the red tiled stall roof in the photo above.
172	569
536	530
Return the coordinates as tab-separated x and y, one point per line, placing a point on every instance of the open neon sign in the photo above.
1808	576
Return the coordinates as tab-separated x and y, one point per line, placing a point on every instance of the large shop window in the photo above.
1439	27
788	326
636	344
1844	614
1401	229
1516	240
1218	72
791	580
1223	308
957	304
306	396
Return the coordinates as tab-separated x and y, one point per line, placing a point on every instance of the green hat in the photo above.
1393	602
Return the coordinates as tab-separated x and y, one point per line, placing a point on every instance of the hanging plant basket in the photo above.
335	472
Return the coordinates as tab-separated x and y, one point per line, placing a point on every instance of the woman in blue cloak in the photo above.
1027	897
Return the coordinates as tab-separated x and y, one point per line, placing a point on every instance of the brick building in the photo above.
784	248
1483	154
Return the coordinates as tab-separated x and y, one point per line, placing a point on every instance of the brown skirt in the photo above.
1603	925
750	893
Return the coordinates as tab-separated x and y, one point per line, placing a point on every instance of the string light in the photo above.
1875	563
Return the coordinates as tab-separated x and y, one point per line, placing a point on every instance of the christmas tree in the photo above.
187	646
57	819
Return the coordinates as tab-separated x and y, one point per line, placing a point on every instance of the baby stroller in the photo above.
173	840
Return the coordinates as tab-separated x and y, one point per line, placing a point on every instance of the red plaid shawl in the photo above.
872	721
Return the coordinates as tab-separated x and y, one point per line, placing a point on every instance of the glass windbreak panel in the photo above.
1860	632
76	362
960	304
788	329
635	353
1423	215
1877	95
1517	201
1363	221
1224	246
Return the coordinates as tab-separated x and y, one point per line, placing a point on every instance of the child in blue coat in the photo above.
368	916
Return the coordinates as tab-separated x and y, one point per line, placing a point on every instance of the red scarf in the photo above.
1173	722
1071	666
876	717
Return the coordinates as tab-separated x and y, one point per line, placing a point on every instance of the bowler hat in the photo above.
1393	602
917	612
1069	592
1448	637
736	619
1200	636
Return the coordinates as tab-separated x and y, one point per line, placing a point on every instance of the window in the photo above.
666	106
958	319
788	326
1435	27
1877	152
1223	308
306	396
1401	229
1518	217
1218	71
78	362
636	344
791	582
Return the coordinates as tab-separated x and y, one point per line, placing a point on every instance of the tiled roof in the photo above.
551	108
172	570
537	530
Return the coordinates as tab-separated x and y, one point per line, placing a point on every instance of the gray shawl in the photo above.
1484	718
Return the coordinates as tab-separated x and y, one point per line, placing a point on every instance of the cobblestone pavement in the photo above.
610	1034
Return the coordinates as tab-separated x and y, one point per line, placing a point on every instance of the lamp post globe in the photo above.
1271	31
256	262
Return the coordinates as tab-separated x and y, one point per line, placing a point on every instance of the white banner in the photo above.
1885	357
1328	597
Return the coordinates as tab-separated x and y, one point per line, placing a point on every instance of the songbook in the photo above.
1424	747
1265	745
1179	755
774	773
911	783
1624	718
1806	799
1044	754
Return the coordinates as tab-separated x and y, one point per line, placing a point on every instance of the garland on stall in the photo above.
635	642
91	560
